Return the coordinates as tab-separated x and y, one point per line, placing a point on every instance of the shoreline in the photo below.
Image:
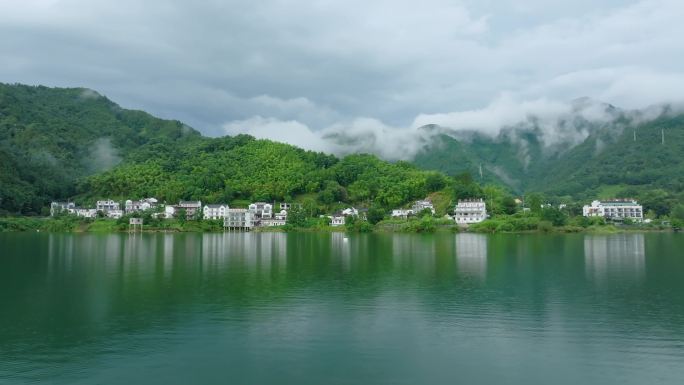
108	226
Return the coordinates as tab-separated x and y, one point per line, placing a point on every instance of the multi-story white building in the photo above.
617	209
107	205
238	219
419	206
58	207
261	210
469	211
217	211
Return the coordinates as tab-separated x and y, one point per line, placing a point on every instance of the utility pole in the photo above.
635	134
662	135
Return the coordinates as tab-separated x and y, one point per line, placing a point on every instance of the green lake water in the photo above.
276	308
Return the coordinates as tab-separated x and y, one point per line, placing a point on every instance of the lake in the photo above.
275	308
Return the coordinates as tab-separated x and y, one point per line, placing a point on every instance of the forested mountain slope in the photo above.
73	143
623	158
51	137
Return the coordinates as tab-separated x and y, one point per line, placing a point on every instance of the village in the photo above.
263	214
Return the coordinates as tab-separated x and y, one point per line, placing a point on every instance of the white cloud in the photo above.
317	67
292	132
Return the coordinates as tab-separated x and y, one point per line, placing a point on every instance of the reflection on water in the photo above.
471	254
338	308
622	255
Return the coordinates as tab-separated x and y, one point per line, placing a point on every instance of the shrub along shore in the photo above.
518	223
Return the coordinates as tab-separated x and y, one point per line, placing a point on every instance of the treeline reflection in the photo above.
88	280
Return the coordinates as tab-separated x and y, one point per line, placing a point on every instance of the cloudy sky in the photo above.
297	71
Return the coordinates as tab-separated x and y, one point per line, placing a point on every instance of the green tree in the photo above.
554	215
296	217
534	201
375	214
509	205
182	216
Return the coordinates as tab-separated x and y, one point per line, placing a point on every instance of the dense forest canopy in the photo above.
52	137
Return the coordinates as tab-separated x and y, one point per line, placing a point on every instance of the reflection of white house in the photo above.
471	254
470	211
217	211
58	207
618	209
614	254
261	210
238	219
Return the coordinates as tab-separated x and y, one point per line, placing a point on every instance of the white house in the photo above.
402	213
419	206
617	209
470	211
337	220
141	205
217	211
238	219
58	207
261	210
107	205
350	211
